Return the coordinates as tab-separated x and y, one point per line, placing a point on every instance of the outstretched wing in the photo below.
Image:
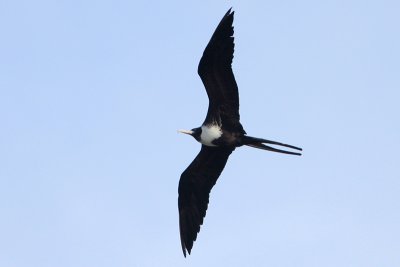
215	71
194	190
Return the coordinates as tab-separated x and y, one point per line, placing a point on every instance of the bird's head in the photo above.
195	132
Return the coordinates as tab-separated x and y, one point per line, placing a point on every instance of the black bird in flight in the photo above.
220	133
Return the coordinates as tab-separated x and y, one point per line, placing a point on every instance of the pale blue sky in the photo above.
91	96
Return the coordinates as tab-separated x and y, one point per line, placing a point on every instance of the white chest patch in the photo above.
209	133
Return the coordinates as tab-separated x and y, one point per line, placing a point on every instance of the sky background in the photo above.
91	96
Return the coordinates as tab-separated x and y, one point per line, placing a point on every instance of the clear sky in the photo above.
91	96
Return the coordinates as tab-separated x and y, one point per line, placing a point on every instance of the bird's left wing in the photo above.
194	189
215	71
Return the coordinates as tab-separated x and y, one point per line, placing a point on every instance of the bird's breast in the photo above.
209	133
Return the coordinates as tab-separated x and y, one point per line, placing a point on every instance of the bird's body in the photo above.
214	135
220	134
210	133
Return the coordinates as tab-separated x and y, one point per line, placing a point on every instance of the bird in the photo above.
220	134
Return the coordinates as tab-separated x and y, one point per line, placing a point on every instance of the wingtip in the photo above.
230	12
183	243
184	248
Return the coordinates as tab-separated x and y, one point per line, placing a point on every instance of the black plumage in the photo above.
194	189
216	73
220	133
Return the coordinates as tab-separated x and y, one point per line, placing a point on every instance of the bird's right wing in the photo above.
194	189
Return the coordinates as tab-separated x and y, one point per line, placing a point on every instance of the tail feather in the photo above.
259	143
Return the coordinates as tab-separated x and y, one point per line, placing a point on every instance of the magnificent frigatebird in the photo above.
220	133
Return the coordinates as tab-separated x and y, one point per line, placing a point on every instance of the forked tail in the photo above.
259	143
